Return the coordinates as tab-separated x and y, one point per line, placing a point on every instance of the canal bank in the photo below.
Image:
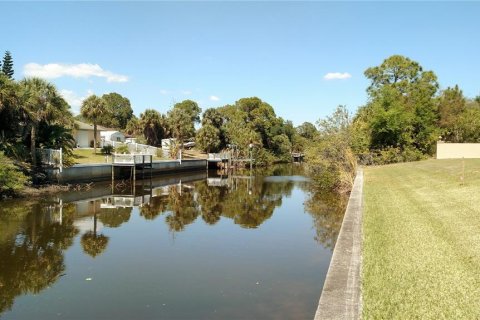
103	171
341	296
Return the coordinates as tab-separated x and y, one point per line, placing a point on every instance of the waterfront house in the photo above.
83	134
112	135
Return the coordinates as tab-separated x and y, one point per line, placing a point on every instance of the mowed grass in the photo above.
421	228
83	156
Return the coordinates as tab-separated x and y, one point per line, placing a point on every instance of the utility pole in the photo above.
250	146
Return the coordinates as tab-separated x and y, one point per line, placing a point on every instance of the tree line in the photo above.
404	117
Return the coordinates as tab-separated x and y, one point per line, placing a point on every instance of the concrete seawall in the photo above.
102	172
341	296
101	189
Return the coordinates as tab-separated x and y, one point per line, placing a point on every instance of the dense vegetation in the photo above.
250	122
404	117
250	125
32	115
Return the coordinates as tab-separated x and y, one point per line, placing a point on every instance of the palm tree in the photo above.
93	108
8	105
153	125
40	102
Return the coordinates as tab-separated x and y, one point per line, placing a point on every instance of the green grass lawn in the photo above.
421	227
87	156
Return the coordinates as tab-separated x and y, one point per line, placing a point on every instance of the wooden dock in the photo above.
134	162
225	160
297	156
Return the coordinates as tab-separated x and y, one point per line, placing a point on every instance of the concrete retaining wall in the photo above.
457	150
101	172
341	296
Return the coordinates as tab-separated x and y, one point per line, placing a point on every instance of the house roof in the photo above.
85	126
110	132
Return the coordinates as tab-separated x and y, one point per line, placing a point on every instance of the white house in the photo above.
83	134
115	136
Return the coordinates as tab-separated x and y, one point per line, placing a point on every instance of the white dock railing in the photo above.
218	156
131	158
123	201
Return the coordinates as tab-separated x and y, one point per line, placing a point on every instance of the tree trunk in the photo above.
94	138
95	224
33	137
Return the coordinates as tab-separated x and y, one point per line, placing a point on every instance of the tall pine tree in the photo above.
7	67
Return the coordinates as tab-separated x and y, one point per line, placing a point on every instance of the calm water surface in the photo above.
244	246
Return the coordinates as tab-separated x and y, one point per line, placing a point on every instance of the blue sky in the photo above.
159	53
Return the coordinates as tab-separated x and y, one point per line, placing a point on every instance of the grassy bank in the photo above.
421	257
87	156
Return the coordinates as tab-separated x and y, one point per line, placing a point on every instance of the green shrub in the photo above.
12	180
108	149
331	164
122	149
208	138
282	148
174	149
395	155
15	149
262	157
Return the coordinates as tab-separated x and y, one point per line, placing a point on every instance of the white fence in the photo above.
111	143
133	147
51	157
218	156
142	148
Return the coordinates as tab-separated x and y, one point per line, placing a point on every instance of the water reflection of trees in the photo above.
248	201
33	237
327	210
93	243
31	258
114	218
155	207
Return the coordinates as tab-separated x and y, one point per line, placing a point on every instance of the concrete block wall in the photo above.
458	150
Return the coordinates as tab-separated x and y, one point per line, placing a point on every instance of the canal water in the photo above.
248	245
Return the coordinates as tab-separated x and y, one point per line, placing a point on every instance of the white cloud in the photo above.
337	76
163	92
186	92
82	70
214	98
74	100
